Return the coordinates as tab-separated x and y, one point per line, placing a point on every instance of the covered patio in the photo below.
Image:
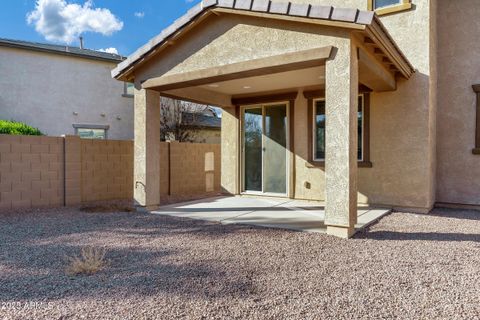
290	214
275	58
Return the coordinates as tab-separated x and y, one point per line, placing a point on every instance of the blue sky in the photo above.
129	23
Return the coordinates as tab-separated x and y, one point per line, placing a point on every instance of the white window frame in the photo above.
92	126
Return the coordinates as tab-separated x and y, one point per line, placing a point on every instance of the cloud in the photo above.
60	21
139	14
109	50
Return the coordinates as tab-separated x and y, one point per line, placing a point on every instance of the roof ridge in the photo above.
305	10
65	49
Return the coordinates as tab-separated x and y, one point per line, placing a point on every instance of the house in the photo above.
64	90
185	121
342	101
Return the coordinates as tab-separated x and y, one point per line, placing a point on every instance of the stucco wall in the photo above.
459	68
44	90
233	38
207	136
402	122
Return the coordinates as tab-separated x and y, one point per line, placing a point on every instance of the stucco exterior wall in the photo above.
230	151
402	122
207	136
44	90
230	38
459	68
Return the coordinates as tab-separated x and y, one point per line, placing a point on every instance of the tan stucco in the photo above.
229	38
230	151
458	57
206	135
403	121
37	86
146	173
341	94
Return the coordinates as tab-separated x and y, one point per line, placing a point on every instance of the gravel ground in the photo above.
407	266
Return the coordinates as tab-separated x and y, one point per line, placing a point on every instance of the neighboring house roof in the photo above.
199	120
306	11
63	50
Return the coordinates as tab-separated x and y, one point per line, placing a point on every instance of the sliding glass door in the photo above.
265	149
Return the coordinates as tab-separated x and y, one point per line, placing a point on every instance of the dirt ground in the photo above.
406	266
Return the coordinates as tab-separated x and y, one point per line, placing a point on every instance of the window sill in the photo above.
476	151
321	164
394	9
127	95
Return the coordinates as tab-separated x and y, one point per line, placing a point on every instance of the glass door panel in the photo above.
253	130
275	149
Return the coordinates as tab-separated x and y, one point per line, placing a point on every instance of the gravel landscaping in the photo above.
407	266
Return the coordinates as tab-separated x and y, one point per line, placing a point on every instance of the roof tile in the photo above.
320	12
279	7
260	5
344	14
299	9
243	4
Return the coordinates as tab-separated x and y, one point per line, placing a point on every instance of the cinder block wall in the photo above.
31	171
56	171
195	168
107	167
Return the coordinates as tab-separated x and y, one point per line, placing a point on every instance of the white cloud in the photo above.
58	20
139	14
109	50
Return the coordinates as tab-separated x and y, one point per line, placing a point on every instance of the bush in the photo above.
18	128
90	261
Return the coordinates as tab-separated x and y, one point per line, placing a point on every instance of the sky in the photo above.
118	26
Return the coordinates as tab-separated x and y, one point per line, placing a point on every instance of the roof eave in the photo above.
64	53
365	21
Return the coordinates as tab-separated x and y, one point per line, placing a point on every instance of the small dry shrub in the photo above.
90	261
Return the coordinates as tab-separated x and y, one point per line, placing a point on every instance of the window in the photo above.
317	132
476	149
377	4
128	88
389	6
91	131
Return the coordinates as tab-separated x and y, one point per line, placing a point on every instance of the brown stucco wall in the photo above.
229	39
403	122
459	68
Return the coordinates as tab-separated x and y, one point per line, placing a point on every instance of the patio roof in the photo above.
375	34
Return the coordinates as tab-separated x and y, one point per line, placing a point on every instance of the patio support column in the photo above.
230	150
147	150
341	93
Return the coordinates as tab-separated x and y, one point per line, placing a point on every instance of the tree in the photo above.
172	124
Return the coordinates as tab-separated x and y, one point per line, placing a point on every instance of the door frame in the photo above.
287	149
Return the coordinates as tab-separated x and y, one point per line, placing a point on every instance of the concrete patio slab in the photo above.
282	213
